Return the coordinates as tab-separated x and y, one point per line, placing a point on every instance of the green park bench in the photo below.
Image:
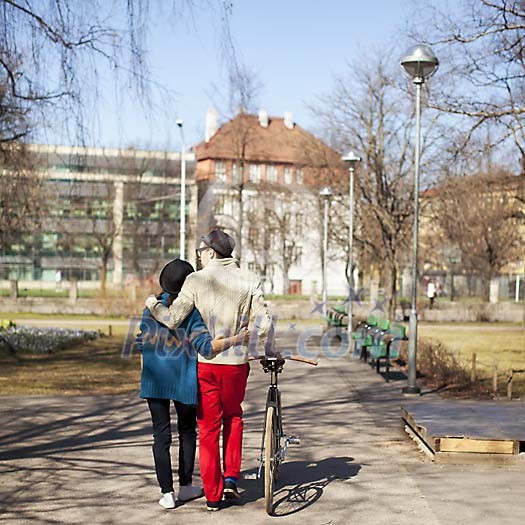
335	316
362	336
386	345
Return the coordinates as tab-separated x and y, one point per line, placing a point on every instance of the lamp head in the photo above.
420	63
326	193
351	158
179	122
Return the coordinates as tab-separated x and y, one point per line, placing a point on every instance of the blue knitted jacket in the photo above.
169	357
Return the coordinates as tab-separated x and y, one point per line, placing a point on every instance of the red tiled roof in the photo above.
275	143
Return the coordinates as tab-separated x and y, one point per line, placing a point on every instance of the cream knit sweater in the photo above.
227	298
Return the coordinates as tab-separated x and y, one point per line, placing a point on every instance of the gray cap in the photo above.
220	241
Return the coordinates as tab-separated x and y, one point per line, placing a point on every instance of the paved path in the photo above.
87	459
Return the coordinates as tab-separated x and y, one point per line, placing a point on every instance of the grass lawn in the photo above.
57	317
94	367
97	367
504	342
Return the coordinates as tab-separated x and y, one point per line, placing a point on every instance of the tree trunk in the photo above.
104	273
286	282
392	300
241	213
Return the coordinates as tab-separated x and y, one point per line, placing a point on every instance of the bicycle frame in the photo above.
273	449
274	366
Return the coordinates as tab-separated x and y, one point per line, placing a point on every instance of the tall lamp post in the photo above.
419	63
182	240
326	194
351	159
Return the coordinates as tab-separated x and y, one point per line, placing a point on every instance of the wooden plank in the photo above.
479	446
466	458
421	445
418	429
486	420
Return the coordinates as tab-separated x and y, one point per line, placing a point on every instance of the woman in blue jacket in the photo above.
169	372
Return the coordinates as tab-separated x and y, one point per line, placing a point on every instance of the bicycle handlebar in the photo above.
290	358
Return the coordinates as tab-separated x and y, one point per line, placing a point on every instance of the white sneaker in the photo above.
168	500
188	492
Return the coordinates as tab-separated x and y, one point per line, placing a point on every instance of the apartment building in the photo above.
259	177
107	214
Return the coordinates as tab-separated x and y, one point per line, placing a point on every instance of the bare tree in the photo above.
479	215
22	195
50	52
86	222
21	190
104	231
482	80
56	56
275	239
243	92
367	112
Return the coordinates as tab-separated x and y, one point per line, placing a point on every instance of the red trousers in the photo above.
222	389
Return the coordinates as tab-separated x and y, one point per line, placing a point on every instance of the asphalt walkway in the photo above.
87	459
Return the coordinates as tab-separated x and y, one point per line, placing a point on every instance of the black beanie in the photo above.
173	275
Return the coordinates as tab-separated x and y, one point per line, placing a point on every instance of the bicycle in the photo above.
274	441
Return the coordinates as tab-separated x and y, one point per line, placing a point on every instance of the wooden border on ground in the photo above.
461	449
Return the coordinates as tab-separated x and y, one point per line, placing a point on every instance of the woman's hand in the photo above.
221	343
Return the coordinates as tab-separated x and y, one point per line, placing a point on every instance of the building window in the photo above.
255	172
220	171
299	219
236	173
299	175
288	175
253	235
220	203
297	255
271	173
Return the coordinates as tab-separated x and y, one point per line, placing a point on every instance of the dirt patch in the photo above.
94	367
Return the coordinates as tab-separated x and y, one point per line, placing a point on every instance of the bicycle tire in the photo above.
269	458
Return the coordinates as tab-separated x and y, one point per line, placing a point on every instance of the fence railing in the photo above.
508	375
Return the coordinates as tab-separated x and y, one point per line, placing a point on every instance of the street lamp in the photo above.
419	63
326	194
182	240
351	159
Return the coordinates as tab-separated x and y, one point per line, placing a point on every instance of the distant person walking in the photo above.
58	280
169	373
226	296
431	292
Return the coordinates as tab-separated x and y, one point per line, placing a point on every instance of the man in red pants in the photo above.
227	297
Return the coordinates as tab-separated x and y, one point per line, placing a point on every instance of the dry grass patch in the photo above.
501	342
94	367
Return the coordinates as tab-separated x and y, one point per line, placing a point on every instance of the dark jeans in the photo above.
186	424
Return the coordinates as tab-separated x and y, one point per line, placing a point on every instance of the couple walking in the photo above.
193	338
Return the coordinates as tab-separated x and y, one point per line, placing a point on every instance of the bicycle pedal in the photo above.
293	440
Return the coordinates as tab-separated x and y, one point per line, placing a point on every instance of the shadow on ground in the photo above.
72	424
300	483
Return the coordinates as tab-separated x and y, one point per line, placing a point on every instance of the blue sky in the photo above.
296	47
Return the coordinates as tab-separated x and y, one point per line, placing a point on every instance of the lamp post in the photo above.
182	241
326	194
419	63
351	159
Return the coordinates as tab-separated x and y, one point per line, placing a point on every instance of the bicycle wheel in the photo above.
269	458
